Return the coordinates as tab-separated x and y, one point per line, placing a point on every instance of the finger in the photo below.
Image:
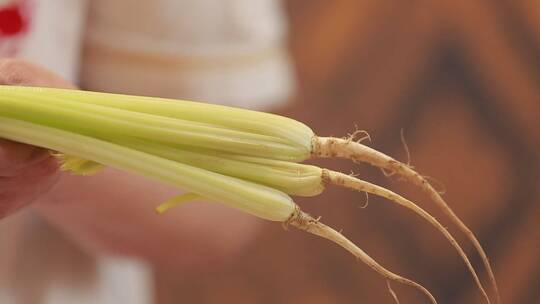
19	191
12	201
37	176
24	73
16	156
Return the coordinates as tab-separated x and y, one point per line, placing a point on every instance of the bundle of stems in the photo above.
244	159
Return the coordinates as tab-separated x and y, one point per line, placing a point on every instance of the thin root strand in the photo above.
355	134
304	221
406	148
366	203
392	292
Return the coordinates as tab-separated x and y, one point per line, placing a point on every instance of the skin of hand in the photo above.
112	211
26	172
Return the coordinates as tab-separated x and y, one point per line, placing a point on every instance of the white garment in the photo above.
43	266
54	39
222	51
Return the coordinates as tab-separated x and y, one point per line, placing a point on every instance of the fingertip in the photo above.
15	71
15	156
47	167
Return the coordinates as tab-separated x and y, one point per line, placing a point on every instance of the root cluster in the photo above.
349	148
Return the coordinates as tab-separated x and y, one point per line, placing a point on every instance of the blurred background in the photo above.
461	79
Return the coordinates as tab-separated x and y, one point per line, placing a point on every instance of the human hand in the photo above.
113	210
26	172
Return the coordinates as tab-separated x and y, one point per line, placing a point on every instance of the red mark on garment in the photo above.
12	20
15	18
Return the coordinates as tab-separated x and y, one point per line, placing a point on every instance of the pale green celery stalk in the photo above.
101	121
29	95
291	178
256	199
234	118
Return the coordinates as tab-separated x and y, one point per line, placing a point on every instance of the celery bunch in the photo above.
244	159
